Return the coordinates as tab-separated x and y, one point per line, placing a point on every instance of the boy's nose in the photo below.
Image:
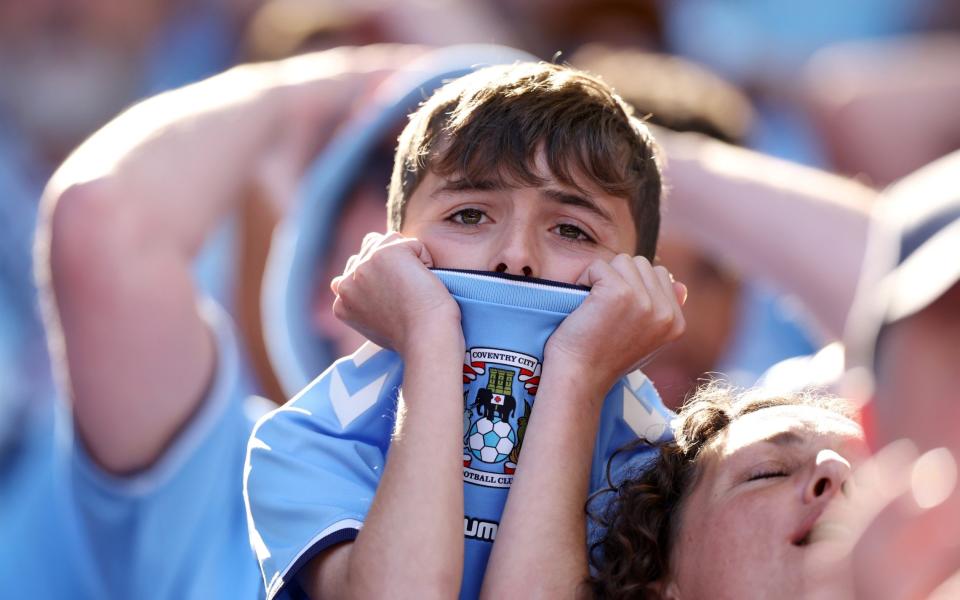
516	254
525	270
829	477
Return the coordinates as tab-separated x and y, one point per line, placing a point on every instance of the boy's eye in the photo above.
572	232
468	216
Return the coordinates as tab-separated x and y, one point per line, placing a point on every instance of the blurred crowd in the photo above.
864	89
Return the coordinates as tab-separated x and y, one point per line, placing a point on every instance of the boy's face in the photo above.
551	231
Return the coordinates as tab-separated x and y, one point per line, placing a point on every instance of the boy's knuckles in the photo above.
374	261
621	296
643	307
351	263
344	298
391	237
361	276
674	327
339	310
596	271
663	314
641	263
622	262
396	252
679	328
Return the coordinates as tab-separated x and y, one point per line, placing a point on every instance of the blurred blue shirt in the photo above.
176	530
102	534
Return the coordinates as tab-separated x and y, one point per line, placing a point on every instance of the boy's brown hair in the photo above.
493	122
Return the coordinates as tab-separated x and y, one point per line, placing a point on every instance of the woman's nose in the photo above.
830	474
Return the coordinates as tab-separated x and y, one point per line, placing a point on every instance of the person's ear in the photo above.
664	589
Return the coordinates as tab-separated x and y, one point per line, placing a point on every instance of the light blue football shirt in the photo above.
178	529
313	465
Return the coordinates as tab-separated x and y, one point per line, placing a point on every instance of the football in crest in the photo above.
491	441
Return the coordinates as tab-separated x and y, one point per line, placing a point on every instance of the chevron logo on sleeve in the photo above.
357	383
642	409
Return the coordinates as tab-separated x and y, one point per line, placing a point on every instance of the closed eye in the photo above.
767	475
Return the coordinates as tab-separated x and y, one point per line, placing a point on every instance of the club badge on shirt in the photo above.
499	390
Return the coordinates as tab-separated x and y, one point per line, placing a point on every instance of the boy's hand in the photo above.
632	310
387	294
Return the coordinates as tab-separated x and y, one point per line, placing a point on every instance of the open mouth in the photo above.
804	534
821	531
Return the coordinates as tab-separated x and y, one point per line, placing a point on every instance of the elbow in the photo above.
82	231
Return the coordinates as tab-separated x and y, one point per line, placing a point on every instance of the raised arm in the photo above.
122	220
802	229
885	107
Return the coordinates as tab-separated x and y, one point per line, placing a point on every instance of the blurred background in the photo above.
867	88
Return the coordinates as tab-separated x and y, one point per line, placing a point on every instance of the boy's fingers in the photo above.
624	266
672	289
596	272
645	269
339	311
373	241
422	253
369	241
391	237
667	311
351	264
415	246
651	281
665	283
680	290
675	297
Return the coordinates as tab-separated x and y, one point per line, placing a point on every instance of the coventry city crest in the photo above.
499	389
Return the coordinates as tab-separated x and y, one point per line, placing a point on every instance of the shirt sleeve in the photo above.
633	417
632	411
176	529
313	465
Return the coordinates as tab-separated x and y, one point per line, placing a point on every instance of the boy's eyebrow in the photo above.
469	185
552	194
571	199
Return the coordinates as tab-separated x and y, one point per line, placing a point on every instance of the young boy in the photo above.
530	171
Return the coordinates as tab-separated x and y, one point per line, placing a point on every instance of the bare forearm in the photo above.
121	221
802	229
412	539
179	160
543	530
852	88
